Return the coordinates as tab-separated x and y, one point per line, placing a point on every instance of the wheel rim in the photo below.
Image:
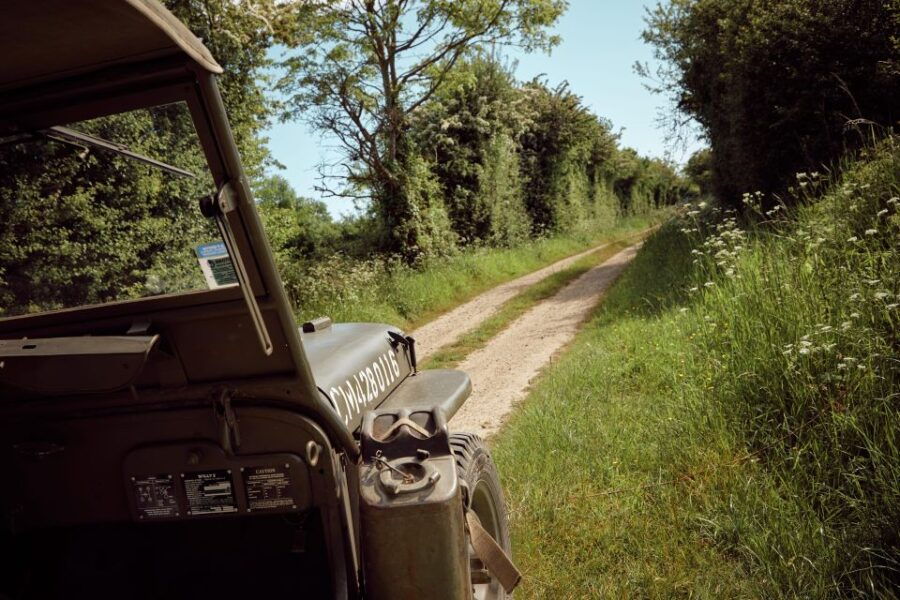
485	506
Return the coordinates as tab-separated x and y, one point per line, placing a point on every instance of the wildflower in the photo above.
861	367
871	231
708	284
702	205
853	239
805	344
842	366
881	295
854	315
845	325
892	306
873	281
882	212
894	200
804	350
683	310
695	289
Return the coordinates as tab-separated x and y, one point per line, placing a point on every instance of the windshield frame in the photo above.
117	91
284	375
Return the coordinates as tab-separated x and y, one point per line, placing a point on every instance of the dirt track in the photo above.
447	328
502	370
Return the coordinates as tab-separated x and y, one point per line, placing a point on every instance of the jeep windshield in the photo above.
94	211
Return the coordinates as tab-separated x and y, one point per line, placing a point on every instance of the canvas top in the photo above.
46	40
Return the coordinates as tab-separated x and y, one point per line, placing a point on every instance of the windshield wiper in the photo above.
71	137
76	138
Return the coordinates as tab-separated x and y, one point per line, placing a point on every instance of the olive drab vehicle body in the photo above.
201	444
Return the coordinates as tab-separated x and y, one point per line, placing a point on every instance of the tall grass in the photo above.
729	423
388	291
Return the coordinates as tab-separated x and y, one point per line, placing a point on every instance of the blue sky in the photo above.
600	44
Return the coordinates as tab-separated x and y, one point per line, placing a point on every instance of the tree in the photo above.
563	147
469	133
298	228
778	86
698	170
360	68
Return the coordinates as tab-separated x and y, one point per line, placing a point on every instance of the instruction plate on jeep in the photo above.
155	496
209	492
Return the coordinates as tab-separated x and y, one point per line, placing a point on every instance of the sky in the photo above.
600	44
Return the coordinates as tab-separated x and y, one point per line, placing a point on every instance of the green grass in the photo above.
710	434
451	355
388	292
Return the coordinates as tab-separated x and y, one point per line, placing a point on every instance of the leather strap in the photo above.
491	554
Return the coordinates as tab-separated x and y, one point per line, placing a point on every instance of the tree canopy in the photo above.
362	67
778	86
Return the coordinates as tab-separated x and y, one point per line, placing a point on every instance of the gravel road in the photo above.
447	328
502	370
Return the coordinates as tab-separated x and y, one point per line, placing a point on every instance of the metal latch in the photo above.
229	431
407	342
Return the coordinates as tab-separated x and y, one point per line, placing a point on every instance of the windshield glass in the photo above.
104	210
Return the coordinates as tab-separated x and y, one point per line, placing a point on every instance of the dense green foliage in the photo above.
440	140
80	226
478	159
729	420
361	69
779	86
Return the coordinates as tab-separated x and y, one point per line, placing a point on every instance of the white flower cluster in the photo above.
724	246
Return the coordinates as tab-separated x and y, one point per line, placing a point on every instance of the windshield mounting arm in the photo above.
218	207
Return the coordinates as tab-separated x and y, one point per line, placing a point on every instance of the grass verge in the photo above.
379	291
728	425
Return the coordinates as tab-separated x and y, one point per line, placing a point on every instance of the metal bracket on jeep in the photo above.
217	207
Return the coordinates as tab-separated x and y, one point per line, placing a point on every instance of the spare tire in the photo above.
478	473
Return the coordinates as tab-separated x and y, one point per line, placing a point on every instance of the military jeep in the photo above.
177	435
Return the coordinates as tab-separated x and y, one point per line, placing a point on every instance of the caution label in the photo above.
268	488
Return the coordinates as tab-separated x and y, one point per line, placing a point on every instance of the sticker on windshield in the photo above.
216	265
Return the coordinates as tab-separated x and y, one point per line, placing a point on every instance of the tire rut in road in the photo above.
502	370
450	326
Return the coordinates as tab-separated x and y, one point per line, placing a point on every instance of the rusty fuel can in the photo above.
411	509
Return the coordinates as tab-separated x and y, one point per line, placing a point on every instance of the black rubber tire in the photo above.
476	468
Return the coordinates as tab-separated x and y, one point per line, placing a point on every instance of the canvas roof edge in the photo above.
58	39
